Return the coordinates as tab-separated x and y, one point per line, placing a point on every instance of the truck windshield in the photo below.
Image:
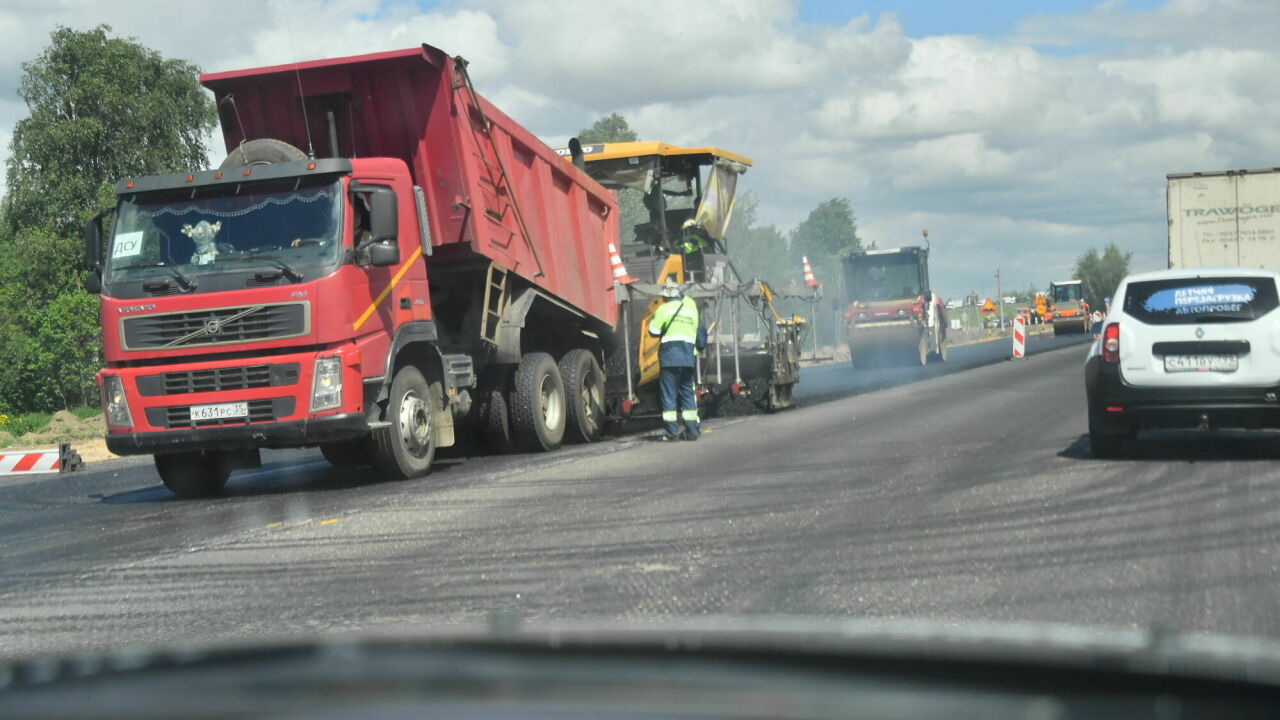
298	223
1067	293
884	277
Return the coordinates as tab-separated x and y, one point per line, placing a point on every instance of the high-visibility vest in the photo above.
676	320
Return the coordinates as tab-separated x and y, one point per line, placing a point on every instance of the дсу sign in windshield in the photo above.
297	223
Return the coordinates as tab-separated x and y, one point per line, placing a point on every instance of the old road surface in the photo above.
963	496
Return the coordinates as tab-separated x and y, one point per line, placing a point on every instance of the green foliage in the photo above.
1101	273
101	109
611	128
84	412
19	425
830	232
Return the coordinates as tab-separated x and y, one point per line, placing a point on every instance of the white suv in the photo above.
1195	348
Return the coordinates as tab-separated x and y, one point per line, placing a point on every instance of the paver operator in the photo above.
680	335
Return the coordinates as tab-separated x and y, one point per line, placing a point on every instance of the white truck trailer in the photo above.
1228	218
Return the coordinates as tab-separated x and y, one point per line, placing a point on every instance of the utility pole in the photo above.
1000	299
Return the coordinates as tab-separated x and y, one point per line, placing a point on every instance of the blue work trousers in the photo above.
679	404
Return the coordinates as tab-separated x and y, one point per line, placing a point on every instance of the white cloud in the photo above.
1018	151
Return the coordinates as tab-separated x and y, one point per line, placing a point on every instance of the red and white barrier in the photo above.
34	462
1019	336
1097	320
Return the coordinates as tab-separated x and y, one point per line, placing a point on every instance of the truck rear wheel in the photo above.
406	448
584	395
263	151
922	349
537	404
193	474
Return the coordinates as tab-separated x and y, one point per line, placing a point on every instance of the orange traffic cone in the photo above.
809	279
619	270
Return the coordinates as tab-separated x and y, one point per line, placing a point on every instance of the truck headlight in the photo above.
326	384
116	404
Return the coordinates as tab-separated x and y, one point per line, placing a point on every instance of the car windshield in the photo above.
313	326
205	230
875	278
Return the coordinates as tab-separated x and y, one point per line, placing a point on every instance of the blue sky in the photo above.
952	17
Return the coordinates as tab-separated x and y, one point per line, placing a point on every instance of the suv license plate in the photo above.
223	411
1201	363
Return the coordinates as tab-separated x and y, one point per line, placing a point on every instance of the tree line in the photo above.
100	108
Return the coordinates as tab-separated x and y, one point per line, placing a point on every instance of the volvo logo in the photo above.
212	327
1199	333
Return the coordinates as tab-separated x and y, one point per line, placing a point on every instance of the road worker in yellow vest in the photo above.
680	334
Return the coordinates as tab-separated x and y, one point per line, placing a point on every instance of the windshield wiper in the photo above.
293	275
185	284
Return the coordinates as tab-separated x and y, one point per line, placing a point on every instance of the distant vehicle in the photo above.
1069	312
1225	219
1189	349
893	317
1008	300
954	305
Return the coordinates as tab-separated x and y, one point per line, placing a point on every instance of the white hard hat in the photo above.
670	289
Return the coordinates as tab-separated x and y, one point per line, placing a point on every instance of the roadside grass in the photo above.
13	427
19	425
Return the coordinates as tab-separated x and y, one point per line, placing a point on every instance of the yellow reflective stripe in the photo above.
668	416
689	415
417	253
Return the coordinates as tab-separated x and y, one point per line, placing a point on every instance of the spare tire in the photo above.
263	151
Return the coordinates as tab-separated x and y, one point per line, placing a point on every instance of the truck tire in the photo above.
202	473
406	448
348	453
537	404
922	349
584	395
263	151
492	415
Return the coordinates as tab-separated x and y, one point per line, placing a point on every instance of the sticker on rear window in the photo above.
1200	299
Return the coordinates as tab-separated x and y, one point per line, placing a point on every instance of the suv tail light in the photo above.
1111	343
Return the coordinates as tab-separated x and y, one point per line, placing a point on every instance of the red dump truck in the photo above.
382	253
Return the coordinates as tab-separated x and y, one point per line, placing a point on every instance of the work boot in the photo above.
671	438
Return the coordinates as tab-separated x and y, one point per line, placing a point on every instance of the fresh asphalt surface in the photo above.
964	496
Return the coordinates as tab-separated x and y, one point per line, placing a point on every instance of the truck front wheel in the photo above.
406	448
193	474
537	404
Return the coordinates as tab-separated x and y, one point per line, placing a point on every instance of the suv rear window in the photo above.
1200	300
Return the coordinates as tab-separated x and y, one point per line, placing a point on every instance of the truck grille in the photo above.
218	379
216	326
179	417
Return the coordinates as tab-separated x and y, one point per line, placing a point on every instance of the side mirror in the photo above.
384	254
384	216
93	282
93	242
